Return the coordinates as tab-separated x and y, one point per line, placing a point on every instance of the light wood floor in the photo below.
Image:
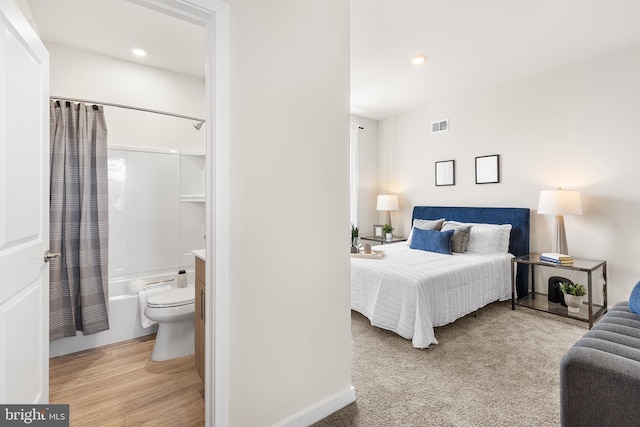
119	385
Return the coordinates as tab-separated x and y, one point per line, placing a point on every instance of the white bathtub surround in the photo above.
156	210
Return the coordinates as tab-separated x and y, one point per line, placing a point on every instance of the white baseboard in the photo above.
320	410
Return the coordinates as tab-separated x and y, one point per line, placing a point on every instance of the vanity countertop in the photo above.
199	253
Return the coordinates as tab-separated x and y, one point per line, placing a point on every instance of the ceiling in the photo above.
114	27
469	44
472	44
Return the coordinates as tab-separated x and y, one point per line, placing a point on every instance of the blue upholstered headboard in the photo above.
517	217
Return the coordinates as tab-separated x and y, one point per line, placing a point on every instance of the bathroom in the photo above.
155	160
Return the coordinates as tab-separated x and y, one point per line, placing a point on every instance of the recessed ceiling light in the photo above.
138	52
418	59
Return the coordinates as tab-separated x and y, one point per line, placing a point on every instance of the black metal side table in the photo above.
538	301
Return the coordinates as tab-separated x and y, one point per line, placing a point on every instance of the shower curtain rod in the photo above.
86	101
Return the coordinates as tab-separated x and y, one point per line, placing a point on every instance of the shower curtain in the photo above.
79	227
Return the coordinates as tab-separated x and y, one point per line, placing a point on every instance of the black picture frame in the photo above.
445	173
488	169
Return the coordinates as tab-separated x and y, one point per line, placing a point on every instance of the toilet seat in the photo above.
173	298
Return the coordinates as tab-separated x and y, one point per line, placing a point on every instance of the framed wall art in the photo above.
445	173
488	169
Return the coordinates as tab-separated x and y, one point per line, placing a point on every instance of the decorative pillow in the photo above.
460	238
487	238
425	224
432	240
634	299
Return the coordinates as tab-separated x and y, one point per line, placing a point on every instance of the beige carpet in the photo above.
497	369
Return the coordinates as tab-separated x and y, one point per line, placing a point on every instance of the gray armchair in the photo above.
600	374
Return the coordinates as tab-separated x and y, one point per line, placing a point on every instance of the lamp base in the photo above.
387	217
560	241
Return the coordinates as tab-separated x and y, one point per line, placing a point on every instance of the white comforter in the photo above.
410	291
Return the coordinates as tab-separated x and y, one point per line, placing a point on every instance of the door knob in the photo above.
48	256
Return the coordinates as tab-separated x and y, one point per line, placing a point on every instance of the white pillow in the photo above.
425	224
488	238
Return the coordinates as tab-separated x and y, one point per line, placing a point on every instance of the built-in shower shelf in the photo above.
192	198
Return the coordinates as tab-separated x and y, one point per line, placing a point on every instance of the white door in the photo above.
24	211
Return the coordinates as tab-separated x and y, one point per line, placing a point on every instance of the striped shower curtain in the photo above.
79	227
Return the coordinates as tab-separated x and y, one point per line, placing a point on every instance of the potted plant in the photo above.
355	239
387	230
573	293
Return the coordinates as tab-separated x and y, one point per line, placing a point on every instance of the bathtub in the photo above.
124	320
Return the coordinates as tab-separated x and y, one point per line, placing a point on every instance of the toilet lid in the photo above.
173	297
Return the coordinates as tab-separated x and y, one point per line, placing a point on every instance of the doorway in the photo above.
213	17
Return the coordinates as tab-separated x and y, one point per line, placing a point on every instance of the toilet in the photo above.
173	310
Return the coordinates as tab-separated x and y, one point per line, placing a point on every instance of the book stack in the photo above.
556	258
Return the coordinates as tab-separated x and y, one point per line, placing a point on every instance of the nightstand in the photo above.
540	302
382	240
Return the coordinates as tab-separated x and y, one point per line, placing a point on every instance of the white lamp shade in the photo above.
387	202
560	202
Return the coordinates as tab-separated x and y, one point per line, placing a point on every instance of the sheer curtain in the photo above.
79	226
354	180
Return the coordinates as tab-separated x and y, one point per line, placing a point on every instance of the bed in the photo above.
410	291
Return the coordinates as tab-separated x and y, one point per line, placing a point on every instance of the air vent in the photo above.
440	126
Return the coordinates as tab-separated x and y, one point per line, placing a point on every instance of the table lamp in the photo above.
560	202
388	203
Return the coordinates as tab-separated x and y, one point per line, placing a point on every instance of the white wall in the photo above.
368	174
290	345
81	74
575	128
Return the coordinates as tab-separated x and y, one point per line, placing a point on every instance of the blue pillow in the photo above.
432	240
634	299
